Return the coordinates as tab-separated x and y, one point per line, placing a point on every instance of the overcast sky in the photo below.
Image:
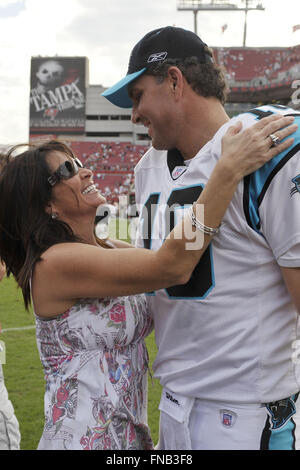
105	31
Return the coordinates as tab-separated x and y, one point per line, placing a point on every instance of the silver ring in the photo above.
275	140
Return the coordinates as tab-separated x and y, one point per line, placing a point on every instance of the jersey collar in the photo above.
176	164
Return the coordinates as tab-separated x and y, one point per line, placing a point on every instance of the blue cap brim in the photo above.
118	93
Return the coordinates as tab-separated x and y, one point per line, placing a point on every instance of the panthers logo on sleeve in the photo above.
296	187
281	411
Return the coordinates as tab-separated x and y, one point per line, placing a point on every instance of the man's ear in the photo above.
176	80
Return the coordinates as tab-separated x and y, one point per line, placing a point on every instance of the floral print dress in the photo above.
95	363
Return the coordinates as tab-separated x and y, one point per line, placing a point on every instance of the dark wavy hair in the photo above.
26	229
206	80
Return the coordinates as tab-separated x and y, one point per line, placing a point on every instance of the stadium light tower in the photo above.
220	5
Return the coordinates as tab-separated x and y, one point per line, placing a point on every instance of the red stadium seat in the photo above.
257	69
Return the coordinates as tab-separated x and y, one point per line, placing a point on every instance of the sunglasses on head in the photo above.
66	170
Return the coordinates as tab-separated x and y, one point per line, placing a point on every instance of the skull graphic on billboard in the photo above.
49	75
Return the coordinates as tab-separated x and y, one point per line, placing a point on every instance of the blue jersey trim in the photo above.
283	439
256	184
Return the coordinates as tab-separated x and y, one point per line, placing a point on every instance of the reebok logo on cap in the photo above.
157	56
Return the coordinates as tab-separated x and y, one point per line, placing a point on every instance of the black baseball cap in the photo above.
163	43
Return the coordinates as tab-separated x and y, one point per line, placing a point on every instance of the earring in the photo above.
54	215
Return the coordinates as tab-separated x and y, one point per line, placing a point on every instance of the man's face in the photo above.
154	107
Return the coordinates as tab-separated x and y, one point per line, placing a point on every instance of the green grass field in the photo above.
23	371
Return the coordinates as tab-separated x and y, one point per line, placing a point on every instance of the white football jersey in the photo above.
230	333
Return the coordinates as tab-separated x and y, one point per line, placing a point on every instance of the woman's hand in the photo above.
246	151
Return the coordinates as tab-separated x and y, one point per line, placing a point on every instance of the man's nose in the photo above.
135	117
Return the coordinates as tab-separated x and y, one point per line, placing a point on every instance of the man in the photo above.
226	339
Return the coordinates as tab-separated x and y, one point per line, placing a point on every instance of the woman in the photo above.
87	294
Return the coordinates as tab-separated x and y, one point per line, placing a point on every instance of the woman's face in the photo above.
74	196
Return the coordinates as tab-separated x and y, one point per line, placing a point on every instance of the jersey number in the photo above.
202	280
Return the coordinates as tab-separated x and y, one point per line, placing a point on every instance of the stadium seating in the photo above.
112	163
259	69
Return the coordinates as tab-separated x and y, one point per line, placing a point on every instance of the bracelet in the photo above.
203	228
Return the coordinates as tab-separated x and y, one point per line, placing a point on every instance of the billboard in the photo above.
58	95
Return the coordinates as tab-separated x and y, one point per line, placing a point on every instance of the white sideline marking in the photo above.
31	327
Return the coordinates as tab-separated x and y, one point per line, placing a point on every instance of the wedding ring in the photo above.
275	140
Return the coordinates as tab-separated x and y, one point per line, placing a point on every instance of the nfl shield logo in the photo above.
178	171
228	418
